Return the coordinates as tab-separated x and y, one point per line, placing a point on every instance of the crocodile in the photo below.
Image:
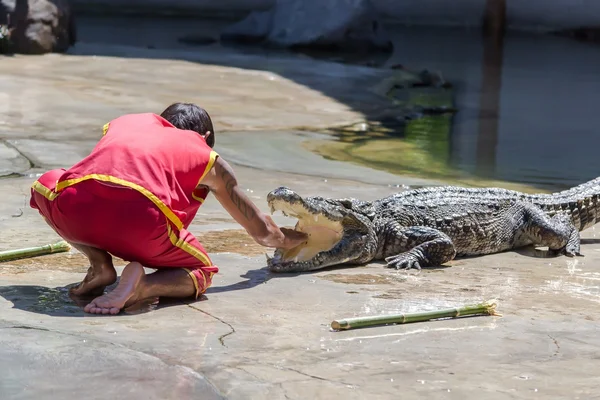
431	226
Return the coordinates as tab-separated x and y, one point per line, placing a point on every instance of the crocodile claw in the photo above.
404	261
570	250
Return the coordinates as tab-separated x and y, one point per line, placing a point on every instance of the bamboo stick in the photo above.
59	247
487	308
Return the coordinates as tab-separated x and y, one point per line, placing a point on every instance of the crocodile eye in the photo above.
346	203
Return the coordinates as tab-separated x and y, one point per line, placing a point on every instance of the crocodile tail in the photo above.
581	202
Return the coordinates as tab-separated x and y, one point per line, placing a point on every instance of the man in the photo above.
134	197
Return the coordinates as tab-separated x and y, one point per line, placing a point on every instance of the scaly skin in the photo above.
429	227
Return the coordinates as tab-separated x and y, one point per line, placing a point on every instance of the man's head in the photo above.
192	118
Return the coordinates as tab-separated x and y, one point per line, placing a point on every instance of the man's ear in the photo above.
207	138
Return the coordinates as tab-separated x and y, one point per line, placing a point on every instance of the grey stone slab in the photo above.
11	161
43	363
51	154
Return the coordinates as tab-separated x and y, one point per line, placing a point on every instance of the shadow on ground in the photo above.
57	301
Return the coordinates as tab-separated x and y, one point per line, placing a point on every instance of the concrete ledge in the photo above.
227	9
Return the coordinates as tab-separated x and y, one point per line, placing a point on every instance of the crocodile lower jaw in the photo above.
323	233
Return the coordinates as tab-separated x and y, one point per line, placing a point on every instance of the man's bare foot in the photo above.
99	276
128	291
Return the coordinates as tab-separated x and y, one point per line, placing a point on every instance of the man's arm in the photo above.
223	184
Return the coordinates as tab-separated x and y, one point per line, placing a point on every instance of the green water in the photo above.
416	143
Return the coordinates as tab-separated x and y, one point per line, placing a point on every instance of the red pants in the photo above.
119	220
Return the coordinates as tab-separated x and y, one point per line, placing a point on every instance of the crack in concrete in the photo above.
249	373
12	146
280	384
13	175
26	327
222	337
314	376
556	344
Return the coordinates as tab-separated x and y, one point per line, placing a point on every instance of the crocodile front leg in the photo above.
416	247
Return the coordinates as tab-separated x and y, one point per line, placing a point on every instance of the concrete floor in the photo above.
256	335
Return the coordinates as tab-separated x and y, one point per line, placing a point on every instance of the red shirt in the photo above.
147	153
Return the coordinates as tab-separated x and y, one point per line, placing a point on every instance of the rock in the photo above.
338	24
38	26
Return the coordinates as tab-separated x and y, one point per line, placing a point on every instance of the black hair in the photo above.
190	117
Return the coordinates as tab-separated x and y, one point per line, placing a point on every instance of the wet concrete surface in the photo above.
262	335
257	335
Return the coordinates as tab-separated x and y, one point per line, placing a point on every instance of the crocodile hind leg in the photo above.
557	232
416	247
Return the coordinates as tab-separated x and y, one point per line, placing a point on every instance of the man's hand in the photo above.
291	238
223	184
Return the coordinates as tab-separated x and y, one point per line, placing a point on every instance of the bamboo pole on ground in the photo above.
59	247
487	308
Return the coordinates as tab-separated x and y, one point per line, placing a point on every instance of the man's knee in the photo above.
42	190
202	280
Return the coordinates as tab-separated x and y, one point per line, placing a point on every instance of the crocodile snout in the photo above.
283	194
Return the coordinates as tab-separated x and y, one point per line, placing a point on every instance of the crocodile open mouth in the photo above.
324	231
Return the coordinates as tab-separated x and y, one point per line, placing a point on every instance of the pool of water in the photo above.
525	112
